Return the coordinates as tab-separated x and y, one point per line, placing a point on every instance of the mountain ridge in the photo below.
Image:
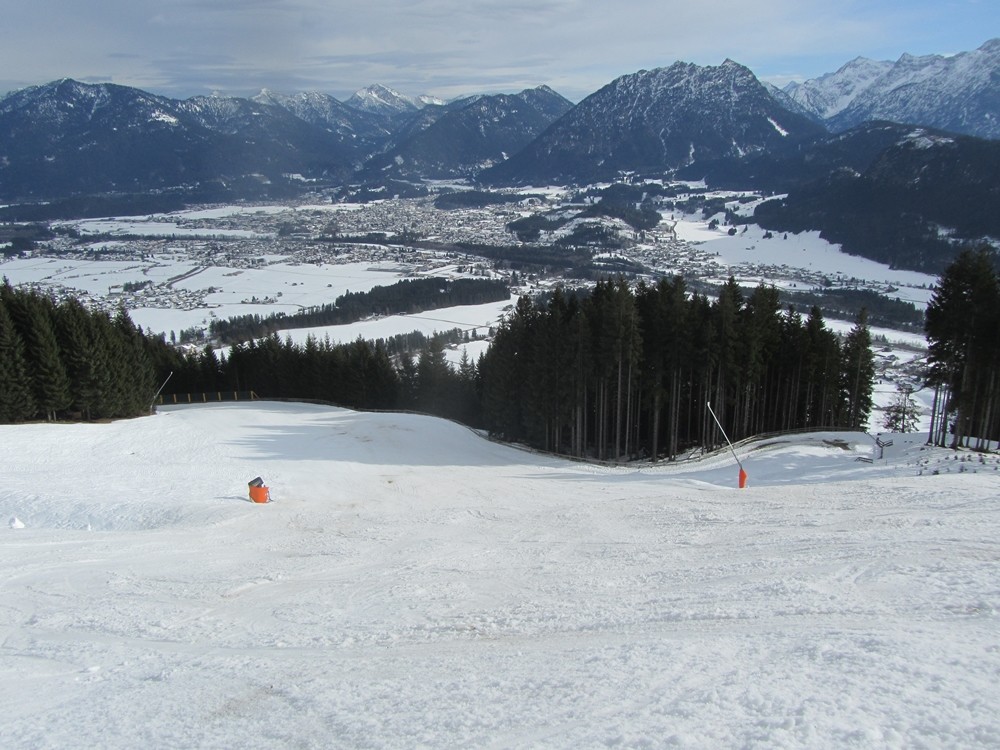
67	137
659	119
959	93
472	134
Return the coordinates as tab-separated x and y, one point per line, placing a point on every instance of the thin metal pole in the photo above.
157	394
708	405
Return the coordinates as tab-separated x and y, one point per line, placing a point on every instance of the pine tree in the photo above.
822	373
729	375
408	382
466	394
506	373
857	374
83	351
33	318
17	402
761	336
551	389
140	376
383	380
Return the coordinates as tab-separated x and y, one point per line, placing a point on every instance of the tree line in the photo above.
620	374
359	375
611	374
963	334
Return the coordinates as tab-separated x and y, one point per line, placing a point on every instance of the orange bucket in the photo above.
260	494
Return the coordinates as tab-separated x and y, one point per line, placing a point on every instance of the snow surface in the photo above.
804	250
478	318
413	585
154	226
302	285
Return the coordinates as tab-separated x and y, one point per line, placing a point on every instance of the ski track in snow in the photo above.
413	585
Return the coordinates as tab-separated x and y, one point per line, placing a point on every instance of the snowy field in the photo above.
277	288
413	585
470	318
753	259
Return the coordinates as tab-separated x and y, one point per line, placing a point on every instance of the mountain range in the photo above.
69	138
958	93
870	124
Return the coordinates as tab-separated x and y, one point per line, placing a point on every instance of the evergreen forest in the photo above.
615	373
612	374
623	373
63	361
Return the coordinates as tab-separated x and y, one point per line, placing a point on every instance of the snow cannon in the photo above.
259	492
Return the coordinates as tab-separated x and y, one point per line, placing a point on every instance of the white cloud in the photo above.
449	47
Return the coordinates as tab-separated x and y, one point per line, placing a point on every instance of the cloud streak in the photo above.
451	47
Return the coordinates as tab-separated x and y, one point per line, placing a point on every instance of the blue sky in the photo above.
182	48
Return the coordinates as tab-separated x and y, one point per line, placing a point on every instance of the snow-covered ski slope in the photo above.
413	585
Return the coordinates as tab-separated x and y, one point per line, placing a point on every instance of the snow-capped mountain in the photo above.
67	137
830	94
657	120
425	100
386	102
322	109
469	135
959	93
271	127
367	132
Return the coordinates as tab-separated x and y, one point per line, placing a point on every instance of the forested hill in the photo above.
897	194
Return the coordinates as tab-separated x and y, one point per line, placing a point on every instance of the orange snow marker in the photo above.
743	479
259	492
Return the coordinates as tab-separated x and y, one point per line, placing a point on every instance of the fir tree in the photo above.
858	374
33	318
17	402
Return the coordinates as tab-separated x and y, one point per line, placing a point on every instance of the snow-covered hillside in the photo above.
415	585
